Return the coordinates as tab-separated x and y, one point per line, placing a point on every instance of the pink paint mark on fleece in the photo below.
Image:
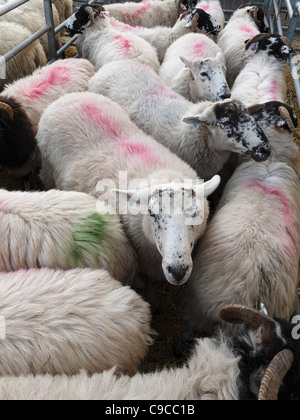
274	91
142	8
54	77
120	25
248	30
108	124
141	151
124	44
196	50
286	210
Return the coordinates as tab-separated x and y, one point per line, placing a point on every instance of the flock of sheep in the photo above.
164	94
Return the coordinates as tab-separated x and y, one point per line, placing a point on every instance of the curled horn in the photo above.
239	314
195	21
274	375
90	12
287	119
256	20
5	107
257	38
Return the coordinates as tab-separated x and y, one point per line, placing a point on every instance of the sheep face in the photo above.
17	136
261	341
83	19
270	115
208	79
174	217
231	124
200	21
274	45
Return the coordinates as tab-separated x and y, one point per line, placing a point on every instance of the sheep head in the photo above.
174	216
200	21
270	354
233	128
17	135
84	18
258	16
208	79
274	45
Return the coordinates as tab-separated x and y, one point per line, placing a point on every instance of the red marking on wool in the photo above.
286	210
116	24
107	123
274	90
196	50
54	77
125	44
249	30
144	7
143	152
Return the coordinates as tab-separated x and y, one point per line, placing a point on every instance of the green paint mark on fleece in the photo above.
88	238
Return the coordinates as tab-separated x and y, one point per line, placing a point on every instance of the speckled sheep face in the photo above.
176	221
208	79
236	130
205	22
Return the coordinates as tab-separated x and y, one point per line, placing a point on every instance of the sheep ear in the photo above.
131	196
220	57
186	62
208	117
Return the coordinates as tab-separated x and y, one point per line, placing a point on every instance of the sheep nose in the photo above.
178	273
260	154
225	95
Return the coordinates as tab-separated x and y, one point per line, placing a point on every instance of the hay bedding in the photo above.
166	322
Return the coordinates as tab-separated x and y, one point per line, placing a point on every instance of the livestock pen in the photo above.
283	17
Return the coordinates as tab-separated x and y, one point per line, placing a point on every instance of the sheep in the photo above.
24	63
60	322
148	13
100	43
23	102
164	229
194	68
46	229
161	37
31	15
212	131
64	9
214	9
242	257
263	78
262	363
245	23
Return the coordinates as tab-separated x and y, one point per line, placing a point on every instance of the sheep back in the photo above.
61	322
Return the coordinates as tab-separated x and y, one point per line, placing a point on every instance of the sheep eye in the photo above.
204	74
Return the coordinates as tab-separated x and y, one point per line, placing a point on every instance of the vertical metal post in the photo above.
51	32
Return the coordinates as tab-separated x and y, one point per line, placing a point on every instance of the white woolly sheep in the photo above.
244	24
263	78
64	9
194	67
31	15
243	258
161	37
212	131
109	144
23	102
100	43
59	229
148	13
240	367
60	322
24	63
